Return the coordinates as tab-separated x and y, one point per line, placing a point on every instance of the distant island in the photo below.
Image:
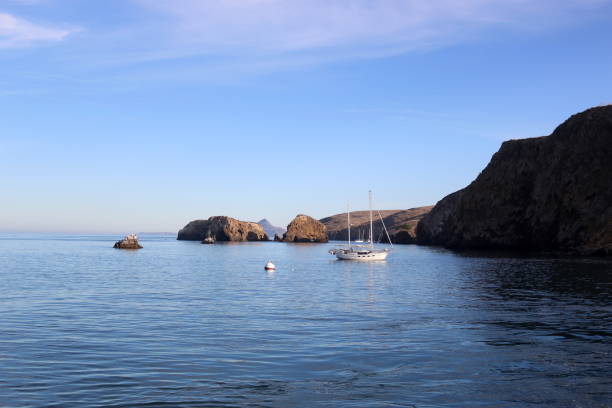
270	229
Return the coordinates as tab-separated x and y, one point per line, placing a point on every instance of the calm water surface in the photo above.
180	324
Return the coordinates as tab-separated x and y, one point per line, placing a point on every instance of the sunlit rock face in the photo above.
305	229
222	228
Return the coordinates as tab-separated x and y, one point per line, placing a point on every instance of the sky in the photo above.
122	116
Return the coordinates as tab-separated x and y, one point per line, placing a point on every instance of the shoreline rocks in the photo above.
545	194
222	228
304	228
129	242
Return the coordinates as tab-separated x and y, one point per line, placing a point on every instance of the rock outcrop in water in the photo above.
401	225
551	193
305	229
129	242
222	228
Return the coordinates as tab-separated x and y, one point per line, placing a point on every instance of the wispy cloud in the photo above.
27	2
16	32
371	27
183	40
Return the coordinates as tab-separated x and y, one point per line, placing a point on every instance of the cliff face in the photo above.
305	229
222	229
401	225
550	193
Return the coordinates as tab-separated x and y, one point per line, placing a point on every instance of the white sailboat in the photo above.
361	252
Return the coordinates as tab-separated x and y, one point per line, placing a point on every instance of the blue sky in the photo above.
140	115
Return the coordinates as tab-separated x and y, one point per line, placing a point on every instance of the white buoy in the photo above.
270	266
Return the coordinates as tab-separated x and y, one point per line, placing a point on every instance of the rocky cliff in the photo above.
401	225
305	229
551	193
222	228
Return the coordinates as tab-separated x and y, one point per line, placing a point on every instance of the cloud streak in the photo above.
372	26
16	32
225	40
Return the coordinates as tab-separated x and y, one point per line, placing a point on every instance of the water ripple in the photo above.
179	324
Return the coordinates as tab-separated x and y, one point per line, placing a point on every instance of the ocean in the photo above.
181	324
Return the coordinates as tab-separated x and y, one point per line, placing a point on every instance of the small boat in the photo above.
270	266
362	252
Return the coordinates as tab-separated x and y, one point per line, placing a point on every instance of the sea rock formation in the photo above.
551	193
222	228
270	229
129	242
305	229
401	225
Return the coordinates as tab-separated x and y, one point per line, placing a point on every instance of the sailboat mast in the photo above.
348	219
371	228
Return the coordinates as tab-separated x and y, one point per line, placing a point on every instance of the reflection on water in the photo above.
180	324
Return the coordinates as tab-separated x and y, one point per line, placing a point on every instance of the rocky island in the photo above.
551	193
304	229
222	228
129	242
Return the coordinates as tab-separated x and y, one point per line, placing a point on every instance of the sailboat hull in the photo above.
365	257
